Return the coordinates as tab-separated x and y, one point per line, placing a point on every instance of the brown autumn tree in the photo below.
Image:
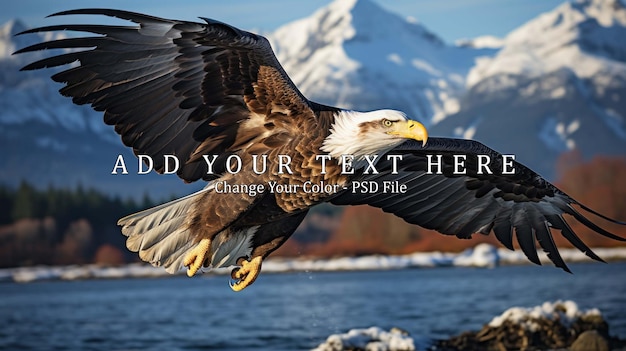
28	242
601	185
108	255
76	244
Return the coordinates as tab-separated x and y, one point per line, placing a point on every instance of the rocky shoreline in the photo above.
559	325
587	333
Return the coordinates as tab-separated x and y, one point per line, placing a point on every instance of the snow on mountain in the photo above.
354	54
7	31
9	42
485	41
557	84
586	37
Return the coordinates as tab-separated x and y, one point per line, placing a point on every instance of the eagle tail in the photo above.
160	234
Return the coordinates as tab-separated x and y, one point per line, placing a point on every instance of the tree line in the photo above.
62	226
64	204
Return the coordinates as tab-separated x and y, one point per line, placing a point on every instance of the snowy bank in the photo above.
373	338
29	274
483	255
562	312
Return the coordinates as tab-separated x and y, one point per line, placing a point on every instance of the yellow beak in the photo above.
411	130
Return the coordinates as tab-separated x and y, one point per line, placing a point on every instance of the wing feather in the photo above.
521	205
173	87
568	233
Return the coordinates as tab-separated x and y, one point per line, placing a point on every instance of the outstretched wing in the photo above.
522	203
177	88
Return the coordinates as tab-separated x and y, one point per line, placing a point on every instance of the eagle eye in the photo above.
387	123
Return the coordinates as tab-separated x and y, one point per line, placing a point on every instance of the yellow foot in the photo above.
195	259
246	274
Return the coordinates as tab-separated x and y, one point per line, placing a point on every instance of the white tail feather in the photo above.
160	234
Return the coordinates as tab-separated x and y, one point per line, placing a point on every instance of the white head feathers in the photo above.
348	138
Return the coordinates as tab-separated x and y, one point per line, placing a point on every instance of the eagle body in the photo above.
192	89
281	211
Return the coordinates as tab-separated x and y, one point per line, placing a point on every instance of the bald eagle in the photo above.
195	90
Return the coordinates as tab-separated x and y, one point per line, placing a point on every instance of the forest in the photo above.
75	226
62	226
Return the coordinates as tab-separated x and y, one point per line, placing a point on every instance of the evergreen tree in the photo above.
26	202
6	204
146	202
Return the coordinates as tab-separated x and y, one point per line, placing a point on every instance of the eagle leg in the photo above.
196	257
247	273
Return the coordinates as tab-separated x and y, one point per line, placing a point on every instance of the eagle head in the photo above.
370	133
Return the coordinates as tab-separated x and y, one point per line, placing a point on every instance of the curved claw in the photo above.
232	282
246	274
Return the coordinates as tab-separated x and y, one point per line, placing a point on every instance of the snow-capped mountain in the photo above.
586	37
558	84
354	54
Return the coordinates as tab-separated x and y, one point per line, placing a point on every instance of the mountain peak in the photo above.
11	42
356	54
8	41
357	8
344	20
345	6
11	28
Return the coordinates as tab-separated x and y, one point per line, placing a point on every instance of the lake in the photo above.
289	311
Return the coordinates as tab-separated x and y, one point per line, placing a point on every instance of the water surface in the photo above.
291	311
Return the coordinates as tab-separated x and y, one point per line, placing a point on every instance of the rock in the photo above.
551	326
591	340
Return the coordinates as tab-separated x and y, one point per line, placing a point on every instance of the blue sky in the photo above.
450	19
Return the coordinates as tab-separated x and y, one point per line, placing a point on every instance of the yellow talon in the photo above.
247	273
194	259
